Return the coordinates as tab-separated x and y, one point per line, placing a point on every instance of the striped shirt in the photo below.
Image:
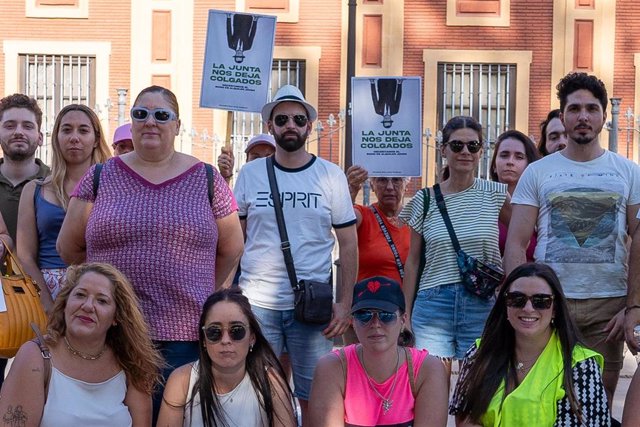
474	214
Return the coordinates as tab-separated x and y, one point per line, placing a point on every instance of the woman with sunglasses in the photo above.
236	381
529	367
513	152
77	142
445	317
380	381
165	219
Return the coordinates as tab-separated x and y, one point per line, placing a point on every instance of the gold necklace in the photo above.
85	356
386	403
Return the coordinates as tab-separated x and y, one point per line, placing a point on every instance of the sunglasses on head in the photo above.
366	316
160	115
519	300
213	333
457	146
299	119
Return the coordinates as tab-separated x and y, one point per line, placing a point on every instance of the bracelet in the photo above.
627	309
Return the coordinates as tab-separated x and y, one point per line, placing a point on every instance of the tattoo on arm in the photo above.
15	417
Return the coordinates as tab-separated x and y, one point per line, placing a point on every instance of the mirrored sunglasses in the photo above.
213	333
457	146
366	316
519	300
299	119
160	115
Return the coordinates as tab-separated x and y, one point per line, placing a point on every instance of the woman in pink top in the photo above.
161	218
380	381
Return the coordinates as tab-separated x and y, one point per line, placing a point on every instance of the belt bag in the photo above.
479	278
22	300
313	301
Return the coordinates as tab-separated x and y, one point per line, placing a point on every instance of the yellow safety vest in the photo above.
535	401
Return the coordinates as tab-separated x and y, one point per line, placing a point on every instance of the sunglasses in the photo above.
366	316
160	115
299	119
519	300
457	146
214	332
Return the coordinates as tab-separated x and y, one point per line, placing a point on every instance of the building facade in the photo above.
498	60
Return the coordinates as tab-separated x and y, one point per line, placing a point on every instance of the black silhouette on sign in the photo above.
386	98
240	34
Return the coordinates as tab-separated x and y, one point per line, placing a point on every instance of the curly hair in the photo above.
262	365
19	100
576	81
100	153
542	144
530	150
493	362
128	339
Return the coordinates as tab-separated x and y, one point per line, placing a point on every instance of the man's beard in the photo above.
290	143
18	155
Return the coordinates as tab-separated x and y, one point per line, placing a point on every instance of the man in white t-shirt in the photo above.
583	200
315	200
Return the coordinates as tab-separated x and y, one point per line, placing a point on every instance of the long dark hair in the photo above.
529	150
262	365
493	362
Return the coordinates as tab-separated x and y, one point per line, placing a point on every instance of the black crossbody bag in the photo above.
313	301
479	278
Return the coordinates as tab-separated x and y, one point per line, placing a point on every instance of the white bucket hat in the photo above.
288	93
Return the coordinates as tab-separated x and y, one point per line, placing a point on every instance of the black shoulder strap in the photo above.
46	358
285	245
96	179
445	217
387	236
209	170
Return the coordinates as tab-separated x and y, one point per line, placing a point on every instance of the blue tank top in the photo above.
49	219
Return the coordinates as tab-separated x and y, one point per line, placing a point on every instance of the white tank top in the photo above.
240	405
72	402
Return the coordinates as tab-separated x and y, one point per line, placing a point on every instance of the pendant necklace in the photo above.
387	403
85	356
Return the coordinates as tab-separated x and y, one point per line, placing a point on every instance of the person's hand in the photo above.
356	176
226	162
616	328
631	320
339	322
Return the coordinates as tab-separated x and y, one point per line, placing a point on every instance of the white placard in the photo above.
237	63
387	125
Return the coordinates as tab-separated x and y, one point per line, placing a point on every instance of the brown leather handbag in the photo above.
21	307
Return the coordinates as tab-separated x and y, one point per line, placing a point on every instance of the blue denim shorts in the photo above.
304	343
447	319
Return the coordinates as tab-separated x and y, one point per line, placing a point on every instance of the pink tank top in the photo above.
363	407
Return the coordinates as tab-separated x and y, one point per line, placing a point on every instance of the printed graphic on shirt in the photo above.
583	226
289	199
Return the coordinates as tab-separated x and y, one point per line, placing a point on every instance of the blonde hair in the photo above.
100	153
128	339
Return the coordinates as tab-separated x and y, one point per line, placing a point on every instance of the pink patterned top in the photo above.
163	237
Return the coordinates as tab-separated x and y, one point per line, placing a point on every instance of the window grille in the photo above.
486	92
55	81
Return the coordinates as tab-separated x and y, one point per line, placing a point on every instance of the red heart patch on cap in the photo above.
373	286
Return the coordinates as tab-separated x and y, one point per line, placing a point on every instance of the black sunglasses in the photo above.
457	146
519	300
366	316
214	332
299	119
160	115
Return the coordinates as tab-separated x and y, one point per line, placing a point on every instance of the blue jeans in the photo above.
447	319
304	343
175	354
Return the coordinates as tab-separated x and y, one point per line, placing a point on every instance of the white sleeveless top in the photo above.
241	406
72	402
